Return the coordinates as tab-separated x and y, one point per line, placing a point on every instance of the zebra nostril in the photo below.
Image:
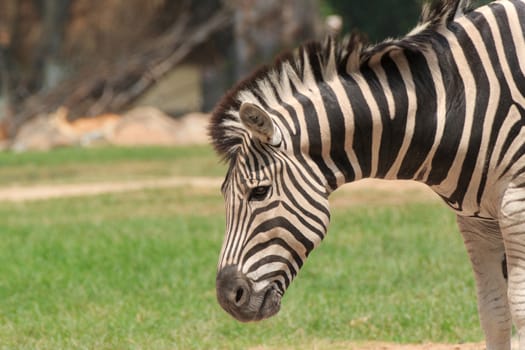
239	296
233	289
240	292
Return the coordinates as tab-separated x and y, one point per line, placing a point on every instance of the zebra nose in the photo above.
233	289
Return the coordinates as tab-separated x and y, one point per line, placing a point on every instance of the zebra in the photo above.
443	105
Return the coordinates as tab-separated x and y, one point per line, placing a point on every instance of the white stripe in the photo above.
519	44
377	124
512	150
375	63
433	64
490	199
299	111
448	186
349	124
273	249
489	114
402	64
310	89
512	118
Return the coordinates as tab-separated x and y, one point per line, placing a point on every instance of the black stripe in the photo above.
390	138
274	241
284	224
513	133
302	190
230	239
313	188
229	202
273	175
480	103
243	218
228	177
255	213
250	158
336	122
268	259
315	61
315	141
506	35
425	120
519	154
296	139
505	98
273	275
362	142
305	223
455	118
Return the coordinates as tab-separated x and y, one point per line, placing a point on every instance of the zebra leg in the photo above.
486	251
512	224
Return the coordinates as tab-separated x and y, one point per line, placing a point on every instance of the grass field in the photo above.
137	270
72	165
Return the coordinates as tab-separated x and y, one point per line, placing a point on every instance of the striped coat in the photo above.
444	105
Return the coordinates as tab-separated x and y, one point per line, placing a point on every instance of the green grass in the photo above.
137	271
107	164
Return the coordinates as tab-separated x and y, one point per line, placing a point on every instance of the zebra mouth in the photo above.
236	295
270	305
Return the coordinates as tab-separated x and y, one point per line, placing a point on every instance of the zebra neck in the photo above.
380	122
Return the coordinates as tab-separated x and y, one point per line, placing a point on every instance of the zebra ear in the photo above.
260	124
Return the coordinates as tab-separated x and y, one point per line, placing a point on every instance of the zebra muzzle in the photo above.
236	295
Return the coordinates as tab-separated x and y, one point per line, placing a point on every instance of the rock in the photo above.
55	130
192	129
41	134
148	126
88	131
144	126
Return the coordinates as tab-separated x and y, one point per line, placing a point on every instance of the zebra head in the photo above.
276	208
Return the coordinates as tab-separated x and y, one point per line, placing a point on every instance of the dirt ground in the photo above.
429	346
38	192
365	191
386	346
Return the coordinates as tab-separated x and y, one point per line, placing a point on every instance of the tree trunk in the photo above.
50	70
214	81
263	28
8	11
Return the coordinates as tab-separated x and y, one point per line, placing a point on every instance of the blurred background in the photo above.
116	247
92	61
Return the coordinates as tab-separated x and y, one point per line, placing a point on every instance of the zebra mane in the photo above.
323	60
440	12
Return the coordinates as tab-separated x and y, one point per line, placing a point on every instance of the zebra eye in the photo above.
259	193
